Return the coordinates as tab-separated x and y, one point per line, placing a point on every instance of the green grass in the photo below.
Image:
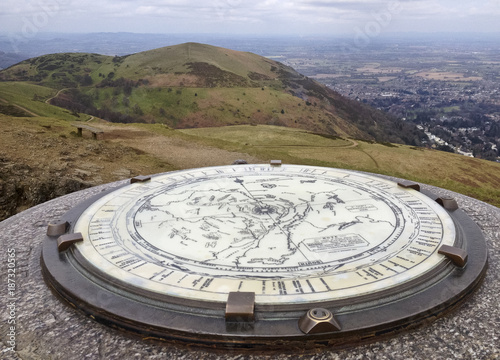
472	177
24	91
167	59
32	97
267	136
215	106
38	123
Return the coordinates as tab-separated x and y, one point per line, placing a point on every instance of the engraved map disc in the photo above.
294	237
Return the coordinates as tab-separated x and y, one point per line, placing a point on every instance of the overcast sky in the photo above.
273	17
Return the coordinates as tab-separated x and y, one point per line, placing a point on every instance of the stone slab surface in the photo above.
47	329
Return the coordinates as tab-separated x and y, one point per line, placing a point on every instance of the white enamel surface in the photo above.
290	234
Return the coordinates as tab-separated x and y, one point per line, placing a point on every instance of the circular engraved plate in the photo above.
295	236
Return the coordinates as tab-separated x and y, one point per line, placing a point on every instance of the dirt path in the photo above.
177	152
56	95
372	158
352	144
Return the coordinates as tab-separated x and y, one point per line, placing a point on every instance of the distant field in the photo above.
329	76
451	108
386	78
446	76
377	69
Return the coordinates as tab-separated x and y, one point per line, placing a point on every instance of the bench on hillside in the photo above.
93	130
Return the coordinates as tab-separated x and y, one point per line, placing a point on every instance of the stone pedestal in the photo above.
46	328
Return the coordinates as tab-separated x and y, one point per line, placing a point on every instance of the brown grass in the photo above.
50	145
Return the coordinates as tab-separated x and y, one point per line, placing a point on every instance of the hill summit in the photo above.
195	85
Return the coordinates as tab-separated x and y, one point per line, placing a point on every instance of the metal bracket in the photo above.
409	185
58	228
448	203
240	307
140	179
318	321
457	255
65	241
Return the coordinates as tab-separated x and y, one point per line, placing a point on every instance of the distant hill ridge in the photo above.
197	85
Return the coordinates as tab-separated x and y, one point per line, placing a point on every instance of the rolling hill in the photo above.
186	95
195	85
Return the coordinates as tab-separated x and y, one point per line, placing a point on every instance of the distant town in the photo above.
449	86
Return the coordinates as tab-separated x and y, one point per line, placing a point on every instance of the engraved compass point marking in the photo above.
58	228
457	255
318	321
65	241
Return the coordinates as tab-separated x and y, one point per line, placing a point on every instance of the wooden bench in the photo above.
93	130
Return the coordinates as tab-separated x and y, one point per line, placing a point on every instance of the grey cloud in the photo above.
238	15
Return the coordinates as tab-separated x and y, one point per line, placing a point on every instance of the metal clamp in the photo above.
447	202
57	228
240	307
458	256
409	185
140	179
318	321
65	241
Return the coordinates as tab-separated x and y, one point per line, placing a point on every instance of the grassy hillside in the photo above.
196	85
59	71
32	98
78	69
177	60
41	157
473	177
